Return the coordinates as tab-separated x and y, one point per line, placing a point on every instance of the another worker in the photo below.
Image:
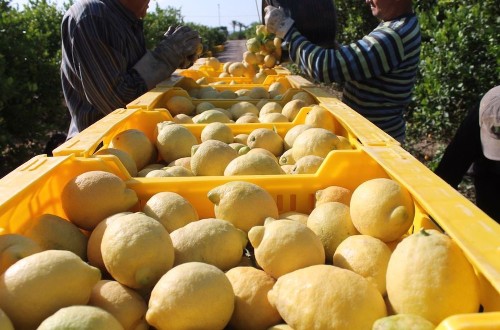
477	143
105	63
379	70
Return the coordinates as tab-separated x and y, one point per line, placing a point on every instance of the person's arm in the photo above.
462	151
108	79
379	52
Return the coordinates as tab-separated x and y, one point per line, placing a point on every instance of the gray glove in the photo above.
277	21
172	51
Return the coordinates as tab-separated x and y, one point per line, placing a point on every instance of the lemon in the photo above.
252	309
332	223
292	108
213	62
236	69
292	134
273	118
213	241
5	323
294	215
270	107
37	286
250	57
137	145
137	250
307	165
92	196
241	138
382	208
321	118
148	168
344	144
253	164
204	106
428	275
258	93
180	104
267	139
244	204
260	77
333	194
304	96
212	116
276	88
288	169
94	254
211	158
124	157
248	118
52	232
193	295
227	95
80	317
403	321
182	119
240	108
243	93
178	171
174	141
183	161
14	247
208	92
314	141
217	131
280	327
327	297
365	255
171	209
158	174
282	246
239	147
125	304
286	158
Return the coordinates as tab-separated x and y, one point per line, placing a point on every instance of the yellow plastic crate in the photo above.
364	130
35	188
100	133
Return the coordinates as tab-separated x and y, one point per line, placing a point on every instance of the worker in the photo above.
379	70
477	143
105	63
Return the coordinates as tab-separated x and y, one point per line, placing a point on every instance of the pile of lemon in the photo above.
219	149
262	55
119	263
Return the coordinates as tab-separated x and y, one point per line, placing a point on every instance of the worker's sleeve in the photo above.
107	76
379	52
462	151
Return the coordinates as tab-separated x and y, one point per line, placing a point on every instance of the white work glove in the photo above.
277	21
177	48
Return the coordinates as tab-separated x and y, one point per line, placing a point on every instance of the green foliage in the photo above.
158	22
30	105
459	62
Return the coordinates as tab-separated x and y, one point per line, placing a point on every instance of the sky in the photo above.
211	13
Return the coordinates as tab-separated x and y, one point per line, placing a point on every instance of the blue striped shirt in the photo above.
379	70
101	42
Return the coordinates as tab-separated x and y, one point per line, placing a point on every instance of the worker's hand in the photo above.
277	21
177	46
